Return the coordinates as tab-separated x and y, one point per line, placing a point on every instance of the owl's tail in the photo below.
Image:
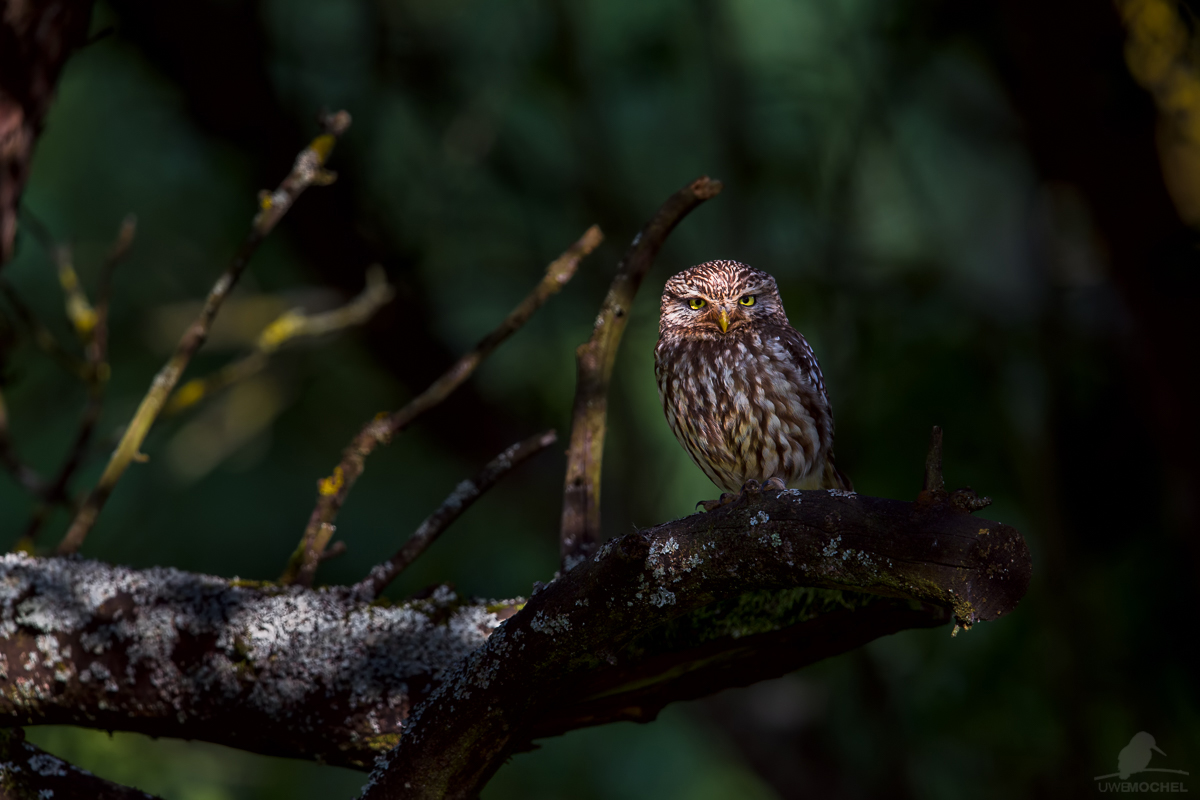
834	478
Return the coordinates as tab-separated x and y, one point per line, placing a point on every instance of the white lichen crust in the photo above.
262	663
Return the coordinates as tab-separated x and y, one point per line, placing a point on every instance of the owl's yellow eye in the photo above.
748	300
695	303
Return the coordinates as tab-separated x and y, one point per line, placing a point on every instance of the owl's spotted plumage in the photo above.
741	388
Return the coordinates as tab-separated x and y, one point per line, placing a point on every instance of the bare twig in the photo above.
332	490
25	476
465	494
308	170
290	326
581	496
45	341
116	255
933	490
91	323
80	312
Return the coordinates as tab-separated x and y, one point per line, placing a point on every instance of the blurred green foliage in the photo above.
872	163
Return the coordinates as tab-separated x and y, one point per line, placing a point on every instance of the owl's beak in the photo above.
723	321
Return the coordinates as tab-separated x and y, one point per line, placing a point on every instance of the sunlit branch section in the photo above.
333	489
595	359
79	310
463	496
289	327
309	169
1160	51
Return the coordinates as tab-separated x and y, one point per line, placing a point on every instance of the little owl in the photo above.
740	386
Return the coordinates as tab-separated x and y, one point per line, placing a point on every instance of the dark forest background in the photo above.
978	214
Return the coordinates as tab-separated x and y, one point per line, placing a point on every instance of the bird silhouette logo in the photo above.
1135	757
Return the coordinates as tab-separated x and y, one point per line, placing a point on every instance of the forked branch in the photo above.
333	490
91	325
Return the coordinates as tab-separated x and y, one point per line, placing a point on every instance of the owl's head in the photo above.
719	298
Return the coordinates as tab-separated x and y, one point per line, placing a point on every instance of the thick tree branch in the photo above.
669	613
582	623
281	671
309	169
594	365
333	490
754	637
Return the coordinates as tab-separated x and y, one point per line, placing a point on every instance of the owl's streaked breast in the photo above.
744	409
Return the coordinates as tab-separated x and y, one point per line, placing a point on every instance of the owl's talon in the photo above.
776	485
725	499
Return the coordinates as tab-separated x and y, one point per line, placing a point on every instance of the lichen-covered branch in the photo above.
463	496
333	490
668	613
736	642
584	622
285	671
30	773
594	364
292	325
309	169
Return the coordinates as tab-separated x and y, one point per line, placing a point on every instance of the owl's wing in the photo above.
797	347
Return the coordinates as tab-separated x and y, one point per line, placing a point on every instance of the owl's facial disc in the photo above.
718	299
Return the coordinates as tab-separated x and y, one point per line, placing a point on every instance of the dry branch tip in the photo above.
463	496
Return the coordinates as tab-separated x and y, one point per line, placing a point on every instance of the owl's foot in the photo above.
748	488
725	499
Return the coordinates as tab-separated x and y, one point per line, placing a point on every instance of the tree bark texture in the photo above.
747	592
36	37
